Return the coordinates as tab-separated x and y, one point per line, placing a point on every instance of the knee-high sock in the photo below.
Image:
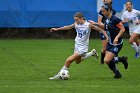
102	56
113	67
134	45
87	55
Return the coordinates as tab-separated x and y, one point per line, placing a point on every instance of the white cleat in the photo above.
95	54
54	77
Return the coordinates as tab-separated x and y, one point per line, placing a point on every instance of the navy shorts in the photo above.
114	49
102	36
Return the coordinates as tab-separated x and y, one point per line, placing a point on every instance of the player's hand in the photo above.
115	41
53	29
126	20
107	39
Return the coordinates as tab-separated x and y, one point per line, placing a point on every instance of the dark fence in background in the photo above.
44	33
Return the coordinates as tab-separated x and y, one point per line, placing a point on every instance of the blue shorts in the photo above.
114	49
102	36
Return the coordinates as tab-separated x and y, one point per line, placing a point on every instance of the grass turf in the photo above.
26	65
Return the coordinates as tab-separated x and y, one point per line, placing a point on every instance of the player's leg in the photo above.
104	42
133	39
74	57
109	60
123	59
87	55
111	52
67	64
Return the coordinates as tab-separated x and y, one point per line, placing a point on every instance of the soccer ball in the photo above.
64	75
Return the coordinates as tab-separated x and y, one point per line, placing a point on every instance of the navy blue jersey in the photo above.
112	29
103	17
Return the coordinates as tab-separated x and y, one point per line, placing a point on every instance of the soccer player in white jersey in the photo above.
83	29
132	17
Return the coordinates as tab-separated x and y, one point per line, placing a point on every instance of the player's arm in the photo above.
100	21
99	29
64	28
122	30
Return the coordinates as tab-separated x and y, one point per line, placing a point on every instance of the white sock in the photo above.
87	55
64	68
134	45
115	59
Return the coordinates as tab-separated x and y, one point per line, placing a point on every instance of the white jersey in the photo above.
132	20
82	38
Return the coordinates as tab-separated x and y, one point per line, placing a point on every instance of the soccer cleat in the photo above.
125	61
137	55
117	76
54	77
95	54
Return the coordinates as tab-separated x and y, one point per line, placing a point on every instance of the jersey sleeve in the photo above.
123	16
138	12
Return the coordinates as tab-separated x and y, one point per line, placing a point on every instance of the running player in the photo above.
131	16
83	29
115	29
101	19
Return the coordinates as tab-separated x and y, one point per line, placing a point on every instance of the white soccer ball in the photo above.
64	74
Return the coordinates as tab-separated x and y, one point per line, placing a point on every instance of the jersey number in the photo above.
79	35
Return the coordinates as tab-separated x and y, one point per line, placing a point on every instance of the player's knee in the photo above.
106	60
77	62
131	41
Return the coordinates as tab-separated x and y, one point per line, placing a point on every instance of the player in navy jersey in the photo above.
101	19
115	29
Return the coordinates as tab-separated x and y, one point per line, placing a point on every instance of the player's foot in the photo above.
54	77
95	54
117	76
125	61
137	55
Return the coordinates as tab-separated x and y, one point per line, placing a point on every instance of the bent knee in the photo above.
131	40
106	61
77	62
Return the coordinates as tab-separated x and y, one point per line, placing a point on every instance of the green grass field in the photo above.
26	65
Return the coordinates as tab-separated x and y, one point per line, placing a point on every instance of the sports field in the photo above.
26	65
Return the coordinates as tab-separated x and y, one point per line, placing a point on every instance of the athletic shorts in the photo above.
82	50
135	29
114	49
102	36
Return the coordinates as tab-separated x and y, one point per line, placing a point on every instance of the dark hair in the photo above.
79	15
129	1
107	6
110	2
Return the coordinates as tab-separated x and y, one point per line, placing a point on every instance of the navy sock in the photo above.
102	57
113	67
